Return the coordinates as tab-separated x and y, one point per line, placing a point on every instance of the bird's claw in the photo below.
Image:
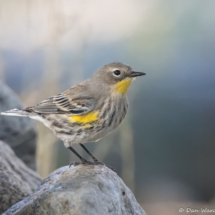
85	162
75	164
98	163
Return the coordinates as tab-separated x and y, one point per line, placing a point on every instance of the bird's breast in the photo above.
113	111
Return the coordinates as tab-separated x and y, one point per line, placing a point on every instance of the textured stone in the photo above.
82	189
18	132
17	181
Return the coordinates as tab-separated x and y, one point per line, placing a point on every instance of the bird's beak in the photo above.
134	74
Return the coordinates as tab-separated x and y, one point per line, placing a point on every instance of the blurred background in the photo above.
164	149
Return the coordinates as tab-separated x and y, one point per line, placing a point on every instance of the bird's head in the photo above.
118	76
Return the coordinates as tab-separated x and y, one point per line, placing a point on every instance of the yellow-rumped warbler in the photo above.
87	111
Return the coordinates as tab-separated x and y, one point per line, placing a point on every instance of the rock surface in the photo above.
18	132
80	190
17	181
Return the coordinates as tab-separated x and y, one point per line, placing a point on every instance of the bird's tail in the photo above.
16	112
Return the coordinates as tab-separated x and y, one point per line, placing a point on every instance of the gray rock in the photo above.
17	181
82	189
18	132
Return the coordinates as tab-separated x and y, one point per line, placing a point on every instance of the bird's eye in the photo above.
116	72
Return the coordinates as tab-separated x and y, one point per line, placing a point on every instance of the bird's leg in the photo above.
84	161
96	162
95	159
76	153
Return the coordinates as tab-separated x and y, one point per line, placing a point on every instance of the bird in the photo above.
88	111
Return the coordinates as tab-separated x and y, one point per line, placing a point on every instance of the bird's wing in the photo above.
66	103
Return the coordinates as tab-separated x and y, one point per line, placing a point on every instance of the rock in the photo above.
17	181
82	189
18	132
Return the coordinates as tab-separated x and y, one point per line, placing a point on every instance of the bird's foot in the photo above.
92	163
85	162
98	163
75	163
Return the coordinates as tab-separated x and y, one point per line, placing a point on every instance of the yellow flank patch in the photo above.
85	118
122	86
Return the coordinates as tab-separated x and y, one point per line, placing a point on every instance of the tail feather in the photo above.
16	112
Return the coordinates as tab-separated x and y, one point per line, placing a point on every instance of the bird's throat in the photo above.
122	86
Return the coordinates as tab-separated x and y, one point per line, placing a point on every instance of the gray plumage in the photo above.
100	95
